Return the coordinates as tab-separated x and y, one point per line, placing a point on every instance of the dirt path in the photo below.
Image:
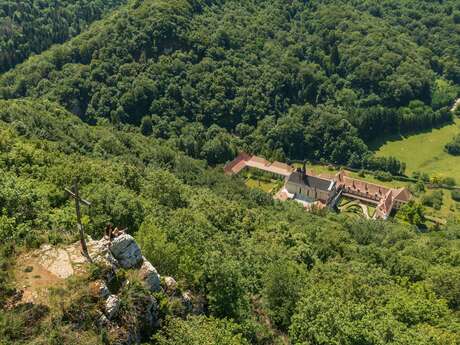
33	280
37	271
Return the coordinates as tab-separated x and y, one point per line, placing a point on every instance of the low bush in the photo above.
454	146
449	181
383	176
433	200
455	195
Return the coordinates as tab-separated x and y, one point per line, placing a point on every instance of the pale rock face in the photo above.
100	253
170	285
126	251
187	301
106	258
103	321
150	276
112	306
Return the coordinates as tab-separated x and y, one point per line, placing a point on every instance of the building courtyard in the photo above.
325	191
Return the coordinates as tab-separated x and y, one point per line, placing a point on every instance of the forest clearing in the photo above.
424	152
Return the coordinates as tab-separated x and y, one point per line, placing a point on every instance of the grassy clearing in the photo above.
424	152
267	187
449	209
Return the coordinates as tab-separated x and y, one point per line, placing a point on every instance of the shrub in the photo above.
198	330
419	186
433	200
449	181
146	125
412	213
453	147
383	176
455	195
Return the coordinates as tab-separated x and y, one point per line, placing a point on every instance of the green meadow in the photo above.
265	186
424	152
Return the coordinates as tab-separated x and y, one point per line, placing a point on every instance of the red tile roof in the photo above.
243	160
402	194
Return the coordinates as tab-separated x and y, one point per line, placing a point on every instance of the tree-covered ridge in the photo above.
285	79
265	270
430	24
31	26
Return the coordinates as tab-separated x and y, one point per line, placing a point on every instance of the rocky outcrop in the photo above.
103	321
126	251
113	287
99	288
187	301
112	306
150	316
150	276
170	285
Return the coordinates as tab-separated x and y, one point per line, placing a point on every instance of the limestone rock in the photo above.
150	276
170	285
112	305
187	301
151	313
103	321
100	253
125	249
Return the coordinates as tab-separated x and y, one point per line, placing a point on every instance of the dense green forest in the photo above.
31	26
267	271
145	104
294	79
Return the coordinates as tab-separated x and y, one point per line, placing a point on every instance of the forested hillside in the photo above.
143	105
292	79
265	271
31	26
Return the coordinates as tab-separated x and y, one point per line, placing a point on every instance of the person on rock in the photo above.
112	233
109	231
116	232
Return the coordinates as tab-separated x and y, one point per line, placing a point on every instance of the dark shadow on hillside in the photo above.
378	142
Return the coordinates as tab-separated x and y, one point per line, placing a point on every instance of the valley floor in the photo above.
425	153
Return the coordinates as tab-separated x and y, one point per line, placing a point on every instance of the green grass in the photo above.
371	179
424	152
371	210
449	208
267	187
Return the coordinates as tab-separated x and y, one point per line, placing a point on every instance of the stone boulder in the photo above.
150	316
126	251
101	254
149	276
103	321
112	306
170	285
187	301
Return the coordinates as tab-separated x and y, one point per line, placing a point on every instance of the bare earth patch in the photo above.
47	267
